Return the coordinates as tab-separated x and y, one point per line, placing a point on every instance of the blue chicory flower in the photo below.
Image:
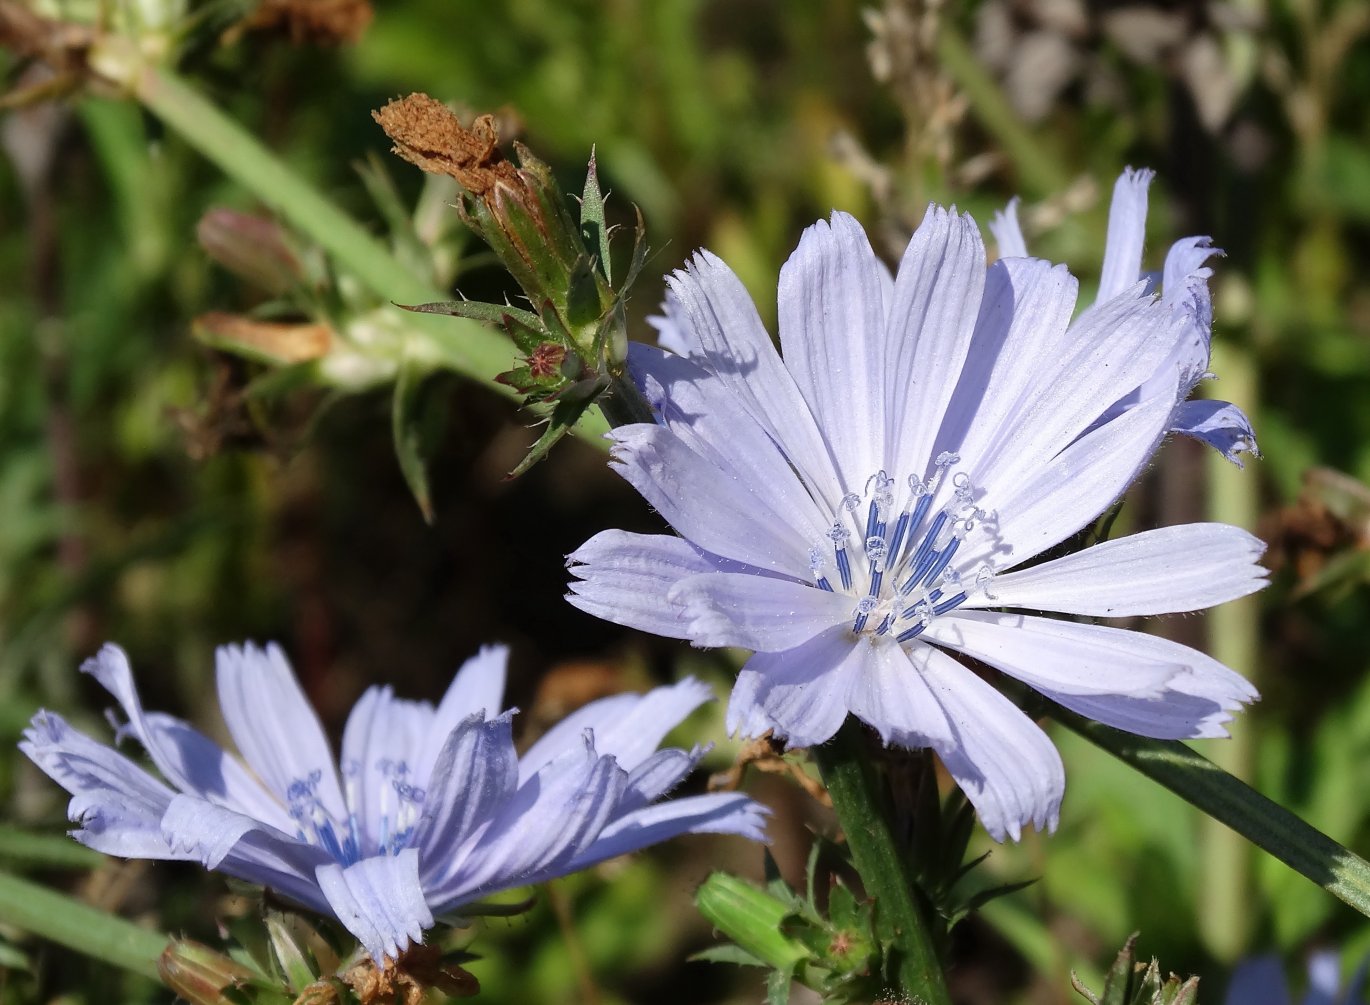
854	511
432	809
1260	981
1183	285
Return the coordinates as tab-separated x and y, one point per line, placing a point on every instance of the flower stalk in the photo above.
846	768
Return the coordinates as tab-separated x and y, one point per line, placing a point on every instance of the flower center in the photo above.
398	807
904	574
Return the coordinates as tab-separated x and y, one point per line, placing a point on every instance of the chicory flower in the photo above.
862	506
431	811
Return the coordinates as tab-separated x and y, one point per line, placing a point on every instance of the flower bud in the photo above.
253	248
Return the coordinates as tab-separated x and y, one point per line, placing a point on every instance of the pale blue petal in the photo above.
1108	352
658	775
800	694
1007	233
1194	703
672	329
118	805
380	901
627	727
626	578
1023	326
731	342
703	411
832	334
757	612
550	819
1220	424
1171	569
476	772
186	758
1186	261
239	846
1126	234
1052	654
1004	763
937	294
889	693
382	760
1065	493
723	514
477	687
716	813
273	725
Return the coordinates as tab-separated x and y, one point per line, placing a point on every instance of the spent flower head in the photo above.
863	509
429	811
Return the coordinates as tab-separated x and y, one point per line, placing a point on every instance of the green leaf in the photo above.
79	926
1229	800
46	850
407	428
593	230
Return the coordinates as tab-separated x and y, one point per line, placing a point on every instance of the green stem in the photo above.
1264	823
1224	893
79	926
466	346
846	767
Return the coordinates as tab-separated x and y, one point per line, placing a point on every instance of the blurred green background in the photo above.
172	497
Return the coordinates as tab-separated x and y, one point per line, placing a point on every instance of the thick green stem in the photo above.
1264	823
845	763
33	908
1224	895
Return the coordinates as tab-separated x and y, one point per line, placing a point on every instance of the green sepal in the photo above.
524	327
594	231
778	984
550	273
752	919
299	951
202	976
735	955
1129	983
584	306
564	415
561	232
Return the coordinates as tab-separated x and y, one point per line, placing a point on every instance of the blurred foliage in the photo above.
161	492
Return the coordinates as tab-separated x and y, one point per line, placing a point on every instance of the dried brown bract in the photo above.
766	753
429	135
406	981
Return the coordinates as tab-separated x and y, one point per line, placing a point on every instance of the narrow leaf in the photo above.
79	926
46	850
1228	799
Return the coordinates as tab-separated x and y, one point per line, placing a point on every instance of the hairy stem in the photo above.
846	767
